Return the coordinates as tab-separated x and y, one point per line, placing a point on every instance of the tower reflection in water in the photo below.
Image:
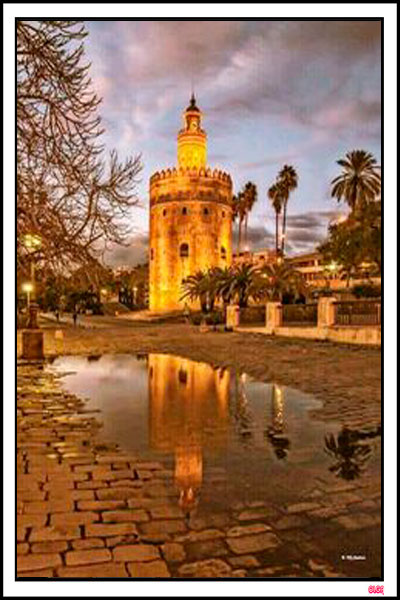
188	410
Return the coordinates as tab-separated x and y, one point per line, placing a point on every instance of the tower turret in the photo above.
192	139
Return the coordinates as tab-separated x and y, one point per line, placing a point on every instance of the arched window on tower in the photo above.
151	253
223	253
184	210
184	250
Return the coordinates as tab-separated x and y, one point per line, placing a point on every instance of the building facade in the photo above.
190	217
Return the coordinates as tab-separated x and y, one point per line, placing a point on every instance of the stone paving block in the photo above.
104	570
248	530
299	507
31	520
73	518
121	540
46	547
85	544
291	522
358	521
247	561
71	495
29	562
100	504
29	482
150	570
253	543
167	512
116	493
173	552
124	516
145	475
22	548
148	466
51	506
160	527
57	487
110	529
87	557
135	553
199	536
21	534
91	485
132	483
44	534
38	574
256	514
31	495
207	549
205	569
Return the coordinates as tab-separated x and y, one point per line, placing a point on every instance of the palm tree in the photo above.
239	213
275	195
275	280
201	286
360	182
288	180
242	284
250	198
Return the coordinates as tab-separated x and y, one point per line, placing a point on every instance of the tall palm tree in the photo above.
288	179
275	196
360	181
250	198
239	212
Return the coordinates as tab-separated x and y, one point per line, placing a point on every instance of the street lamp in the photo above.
32	243
134	295
28	288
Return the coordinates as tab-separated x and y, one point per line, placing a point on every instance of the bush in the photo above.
366	290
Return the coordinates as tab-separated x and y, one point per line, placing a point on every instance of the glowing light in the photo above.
27	287
32	241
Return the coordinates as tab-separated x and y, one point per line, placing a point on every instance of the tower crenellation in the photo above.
190	216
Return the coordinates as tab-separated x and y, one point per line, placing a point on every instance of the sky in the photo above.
273	92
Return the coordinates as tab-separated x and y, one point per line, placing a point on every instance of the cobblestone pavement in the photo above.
85	509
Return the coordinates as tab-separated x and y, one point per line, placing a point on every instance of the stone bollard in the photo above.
273	315
326	311
32	344
232	316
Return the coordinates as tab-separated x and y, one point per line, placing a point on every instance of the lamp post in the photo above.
28	289
32	337
134	295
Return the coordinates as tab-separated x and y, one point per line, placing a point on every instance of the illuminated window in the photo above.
184	250
223	253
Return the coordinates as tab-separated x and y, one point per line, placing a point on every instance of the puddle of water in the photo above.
225	437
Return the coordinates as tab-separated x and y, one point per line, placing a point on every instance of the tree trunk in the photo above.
240	237
276	232
284	228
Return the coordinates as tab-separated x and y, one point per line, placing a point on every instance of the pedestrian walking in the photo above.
58	315
75	317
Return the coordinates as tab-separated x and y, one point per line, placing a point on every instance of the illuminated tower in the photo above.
190	217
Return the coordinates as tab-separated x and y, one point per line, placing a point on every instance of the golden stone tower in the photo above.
190	217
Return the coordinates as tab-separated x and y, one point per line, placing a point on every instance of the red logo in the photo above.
376	589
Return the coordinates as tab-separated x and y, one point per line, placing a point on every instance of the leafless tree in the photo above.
77	200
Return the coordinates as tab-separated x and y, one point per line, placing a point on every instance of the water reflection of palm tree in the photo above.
274	431
350	451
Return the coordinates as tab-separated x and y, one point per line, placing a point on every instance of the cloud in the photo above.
131	255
